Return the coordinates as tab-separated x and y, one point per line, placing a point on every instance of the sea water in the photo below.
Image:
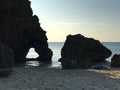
57	46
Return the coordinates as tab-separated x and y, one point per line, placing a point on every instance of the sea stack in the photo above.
79	52
115	61
20	30
6	60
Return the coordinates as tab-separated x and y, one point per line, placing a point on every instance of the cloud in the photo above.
85	23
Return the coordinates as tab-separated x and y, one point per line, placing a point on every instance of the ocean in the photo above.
57	46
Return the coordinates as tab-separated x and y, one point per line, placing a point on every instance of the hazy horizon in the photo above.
99	19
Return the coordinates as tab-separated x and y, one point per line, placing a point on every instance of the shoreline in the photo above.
41	78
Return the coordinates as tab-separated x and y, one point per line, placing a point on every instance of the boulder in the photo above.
115	61
75	63
80	51
21	30
6	60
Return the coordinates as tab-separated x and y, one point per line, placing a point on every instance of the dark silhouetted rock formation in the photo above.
6	60
20	30
79	51
115	62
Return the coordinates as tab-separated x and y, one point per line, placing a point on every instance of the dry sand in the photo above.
41	78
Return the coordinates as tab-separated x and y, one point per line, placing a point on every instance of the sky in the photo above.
99	19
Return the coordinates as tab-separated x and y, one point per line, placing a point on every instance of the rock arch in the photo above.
23	31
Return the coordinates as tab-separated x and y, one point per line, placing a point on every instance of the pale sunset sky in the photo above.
99	19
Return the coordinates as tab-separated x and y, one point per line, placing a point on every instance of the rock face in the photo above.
115	62
6	60
79	51
20	30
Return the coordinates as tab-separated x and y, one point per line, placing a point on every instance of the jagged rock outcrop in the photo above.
79	52
6	60
115	61
20	30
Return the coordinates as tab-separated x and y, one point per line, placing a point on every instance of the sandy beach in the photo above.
41	78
